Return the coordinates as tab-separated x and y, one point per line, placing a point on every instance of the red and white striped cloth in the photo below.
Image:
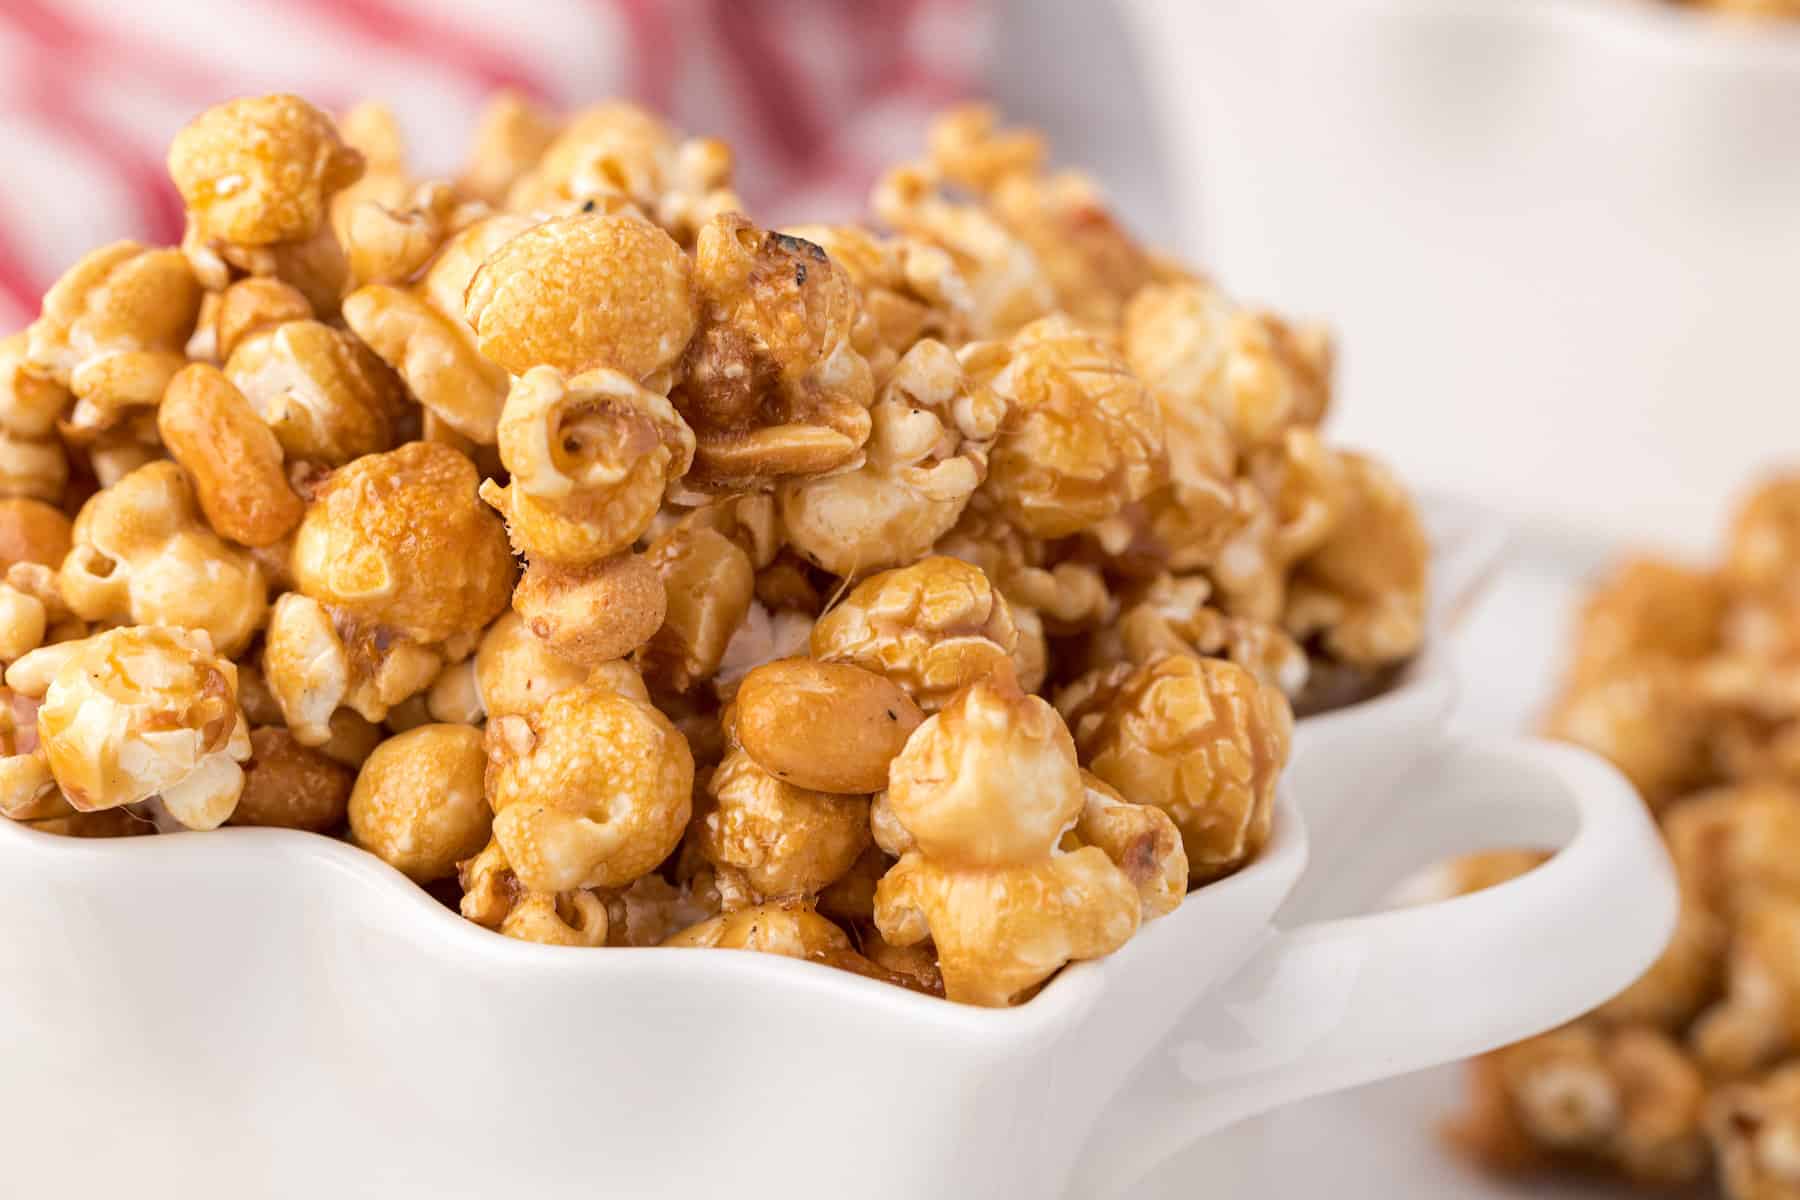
813	95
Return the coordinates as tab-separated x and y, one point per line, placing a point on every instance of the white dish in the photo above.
269	1013
1556	237
1379	1142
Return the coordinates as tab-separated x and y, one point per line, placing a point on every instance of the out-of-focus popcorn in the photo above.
1683	677
614	156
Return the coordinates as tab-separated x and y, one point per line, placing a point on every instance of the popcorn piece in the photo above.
122	308
584	292
1070	596
1583	1095
246	307
1201	739
419	802
1362	592
1647	721
261	169
145	711
420	330
984	790
1172	616
493	897
789	929
926	455
142	553
515	672
618	156
591	790
1142	841
772	839
1082	437
511	135
590	459
828	727
1246	368
1007	286
908	290
593	615
33	462
326	396
291	786
1758	1021
399	541
773	385
932	628
1091	263
1647	608
233	459
1755	1132
1763	548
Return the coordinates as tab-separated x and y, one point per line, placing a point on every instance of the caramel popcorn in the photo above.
1201	739
593	789
1201	351
707	583
1681	675
770	839
1007	287
615	155
590	458
142	712
1755	1130
1082	436
326	396
260	170
983	792
584	292
593	615
400	541
666	578
927	453
141	552
419	802
123	309
773	384
1362	591
932	628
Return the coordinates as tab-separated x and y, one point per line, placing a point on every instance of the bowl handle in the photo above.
1334	1003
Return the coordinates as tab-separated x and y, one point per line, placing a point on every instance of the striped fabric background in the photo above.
813	95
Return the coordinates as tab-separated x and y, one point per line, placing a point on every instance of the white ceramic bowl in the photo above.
268	1013
1559	238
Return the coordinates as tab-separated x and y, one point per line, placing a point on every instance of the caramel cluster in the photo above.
924	598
